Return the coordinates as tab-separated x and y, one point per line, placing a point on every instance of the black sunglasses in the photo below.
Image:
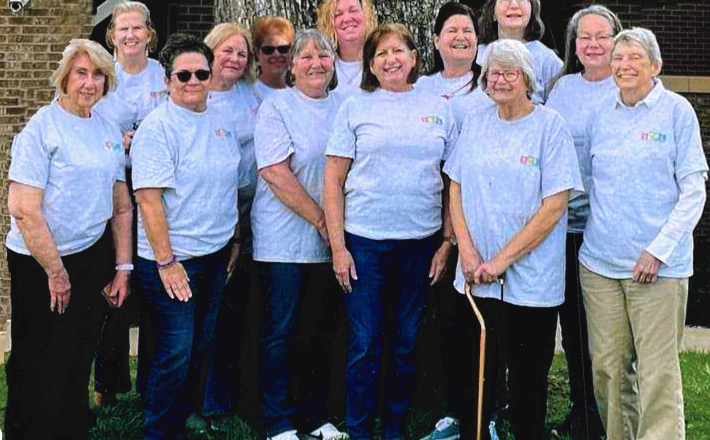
283	49
184	75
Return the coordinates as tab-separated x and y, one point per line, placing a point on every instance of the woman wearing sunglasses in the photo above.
185	176
273	37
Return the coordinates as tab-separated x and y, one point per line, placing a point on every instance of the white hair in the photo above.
509	53
643	38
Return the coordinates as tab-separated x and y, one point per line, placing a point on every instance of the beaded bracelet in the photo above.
170	263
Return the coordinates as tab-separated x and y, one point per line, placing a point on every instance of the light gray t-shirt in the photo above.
291	125
135	96
506	169
456	91
194	157
240	105
576	99
397	142
638	156
349	77
545	62
76	161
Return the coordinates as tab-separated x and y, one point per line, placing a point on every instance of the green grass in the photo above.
124	420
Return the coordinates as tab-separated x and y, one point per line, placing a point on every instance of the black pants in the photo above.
575	341
527	336
50	363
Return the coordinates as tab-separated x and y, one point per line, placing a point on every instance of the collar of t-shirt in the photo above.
649	101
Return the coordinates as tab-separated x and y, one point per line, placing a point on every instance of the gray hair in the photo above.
321	42
643	38
509	53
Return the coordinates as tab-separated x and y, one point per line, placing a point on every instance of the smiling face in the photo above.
312	70
505	85
193	93
276	63
457	41
349	22
594	42
633	69
230	59
84	85
513	17
392	63
130	37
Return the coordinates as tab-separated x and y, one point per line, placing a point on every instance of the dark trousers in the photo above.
112	373
393	275
575	341
300	304
50	363
184	331
527	336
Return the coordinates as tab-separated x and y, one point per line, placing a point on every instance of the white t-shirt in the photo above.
240	105
576	99
349	77
457	91
76	161
291	125
136	95
545	62
506	169
397	142
262	90
638	156
194	157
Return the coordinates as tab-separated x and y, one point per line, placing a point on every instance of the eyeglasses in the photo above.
520	2
283	49
508	75
184	75
586	40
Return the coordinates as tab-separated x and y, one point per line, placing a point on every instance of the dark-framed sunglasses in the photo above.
283	49
184	75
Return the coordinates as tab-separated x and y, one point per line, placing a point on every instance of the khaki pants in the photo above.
635	331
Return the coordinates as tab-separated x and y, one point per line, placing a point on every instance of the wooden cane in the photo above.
481	358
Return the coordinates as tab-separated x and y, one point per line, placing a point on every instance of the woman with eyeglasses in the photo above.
273	37
584	83
511	173
186	178
519	20
347	23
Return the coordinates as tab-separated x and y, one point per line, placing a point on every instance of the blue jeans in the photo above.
184	331
392	275
299	305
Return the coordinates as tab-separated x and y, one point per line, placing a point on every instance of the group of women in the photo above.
335	155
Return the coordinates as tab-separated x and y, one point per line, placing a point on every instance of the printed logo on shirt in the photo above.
223	133
530	161
158	94
653	137
112	146
431	120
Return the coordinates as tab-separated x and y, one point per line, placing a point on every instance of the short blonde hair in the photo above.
326	18
269	24
221	32
96	53
124	7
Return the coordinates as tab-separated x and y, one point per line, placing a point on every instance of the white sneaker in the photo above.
288	435
329	432
492	430
445	429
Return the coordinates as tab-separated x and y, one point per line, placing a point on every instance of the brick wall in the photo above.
31	43
195	17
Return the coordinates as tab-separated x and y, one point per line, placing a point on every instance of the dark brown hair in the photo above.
370	83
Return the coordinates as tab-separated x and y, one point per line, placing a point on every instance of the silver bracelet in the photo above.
125	266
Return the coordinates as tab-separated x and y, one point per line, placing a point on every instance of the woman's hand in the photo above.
646	268
233	256
344	268
176	282
127	139
438	263
469	264
59	291
119	288
489	271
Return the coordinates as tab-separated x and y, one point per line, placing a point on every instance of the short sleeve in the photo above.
452	167
272	141
690	157
343	140
452	133
153	159
559	167
30	157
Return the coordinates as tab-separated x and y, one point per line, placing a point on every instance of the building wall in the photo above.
195	17
31	43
